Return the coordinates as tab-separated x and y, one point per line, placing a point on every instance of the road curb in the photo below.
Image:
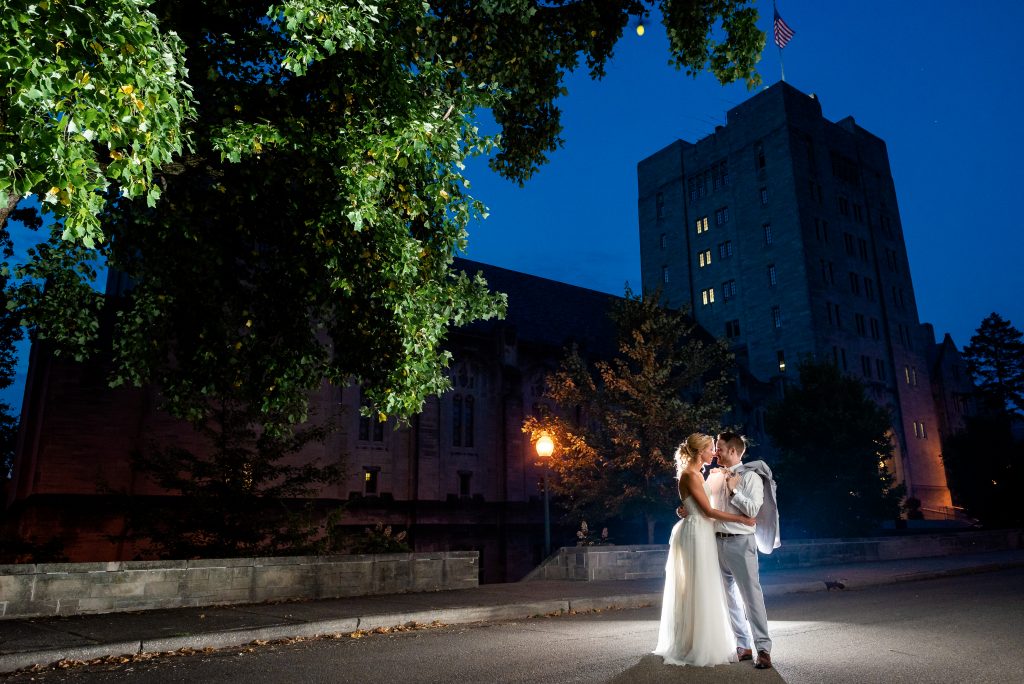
241	637
627	601
10	662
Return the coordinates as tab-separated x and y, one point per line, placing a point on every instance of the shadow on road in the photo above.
652	669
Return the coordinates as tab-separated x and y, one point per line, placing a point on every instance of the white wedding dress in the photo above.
695	627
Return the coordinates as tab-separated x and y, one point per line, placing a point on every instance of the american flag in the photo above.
783	34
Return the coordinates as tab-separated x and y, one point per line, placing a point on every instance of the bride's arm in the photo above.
695	488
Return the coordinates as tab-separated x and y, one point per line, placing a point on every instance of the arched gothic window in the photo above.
465	385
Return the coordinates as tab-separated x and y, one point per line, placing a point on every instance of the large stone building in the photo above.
461	476
781	232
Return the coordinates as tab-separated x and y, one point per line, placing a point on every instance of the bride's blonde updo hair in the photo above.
688	450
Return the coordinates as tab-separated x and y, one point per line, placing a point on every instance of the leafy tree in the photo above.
243	498
667	381
834	445
95	94
995	360
985	470
303	179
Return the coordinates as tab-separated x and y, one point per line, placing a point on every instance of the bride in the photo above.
695	626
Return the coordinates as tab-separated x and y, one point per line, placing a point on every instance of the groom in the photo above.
747	489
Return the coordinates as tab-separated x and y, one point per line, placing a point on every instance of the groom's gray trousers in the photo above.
738	557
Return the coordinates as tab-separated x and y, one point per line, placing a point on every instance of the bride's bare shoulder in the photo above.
688	480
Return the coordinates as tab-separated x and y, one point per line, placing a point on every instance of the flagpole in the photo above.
782	66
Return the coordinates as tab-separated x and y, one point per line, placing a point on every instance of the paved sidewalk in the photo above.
42	641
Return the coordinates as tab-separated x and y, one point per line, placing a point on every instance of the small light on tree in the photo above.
640	28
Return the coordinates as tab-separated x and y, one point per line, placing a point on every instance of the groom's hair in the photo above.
733	440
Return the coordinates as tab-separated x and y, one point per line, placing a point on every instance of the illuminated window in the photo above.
704	258
702	225
708	296
781	355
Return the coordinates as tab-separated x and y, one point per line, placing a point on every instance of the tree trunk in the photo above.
5	211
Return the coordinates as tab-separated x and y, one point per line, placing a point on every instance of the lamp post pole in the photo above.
547	515
546	447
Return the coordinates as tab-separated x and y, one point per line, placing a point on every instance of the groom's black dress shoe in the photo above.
744	653
764	660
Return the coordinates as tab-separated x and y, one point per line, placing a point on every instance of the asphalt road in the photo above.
960	629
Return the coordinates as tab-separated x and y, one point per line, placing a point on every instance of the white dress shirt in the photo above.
747	500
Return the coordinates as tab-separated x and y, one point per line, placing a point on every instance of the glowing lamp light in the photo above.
545	446
640	29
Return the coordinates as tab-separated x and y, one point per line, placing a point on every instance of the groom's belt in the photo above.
725	535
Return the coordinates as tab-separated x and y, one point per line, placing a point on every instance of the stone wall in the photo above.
74	588
603	563
648	561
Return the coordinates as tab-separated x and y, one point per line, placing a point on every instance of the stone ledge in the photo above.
589	563
80	588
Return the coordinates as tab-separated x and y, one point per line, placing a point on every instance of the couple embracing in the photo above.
713	609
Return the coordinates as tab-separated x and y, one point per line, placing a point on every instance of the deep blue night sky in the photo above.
933	79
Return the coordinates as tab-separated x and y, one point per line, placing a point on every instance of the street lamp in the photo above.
546	447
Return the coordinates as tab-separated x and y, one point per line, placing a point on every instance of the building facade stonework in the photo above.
461	476
781	232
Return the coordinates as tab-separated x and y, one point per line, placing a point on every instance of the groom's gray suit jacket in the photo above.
766	534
